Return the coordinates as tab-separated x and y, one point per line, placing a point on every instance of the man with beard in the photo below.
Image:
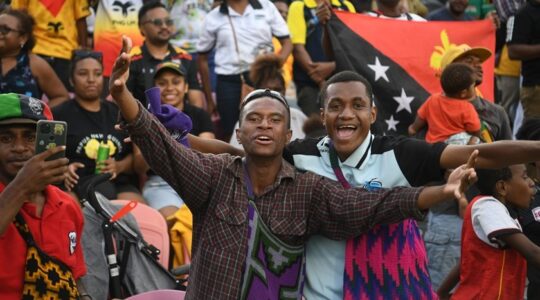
454	10
157	28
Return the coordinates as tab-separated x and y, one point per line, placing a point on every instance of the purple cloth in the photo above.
178	123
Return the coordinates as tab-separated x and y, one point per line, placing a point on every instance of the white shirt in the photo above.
254	30
490	218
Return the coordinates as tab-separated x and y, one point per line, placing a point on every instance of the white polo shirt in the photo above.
254	31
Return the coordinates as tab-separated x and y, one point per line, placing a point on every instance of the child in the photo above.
494	248
450	116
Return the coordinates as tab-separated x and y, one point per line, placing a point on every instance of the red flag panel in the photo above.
418	46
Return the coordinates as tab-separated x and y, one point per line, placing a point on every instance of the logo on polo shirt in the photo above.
373	185
536	213
72	241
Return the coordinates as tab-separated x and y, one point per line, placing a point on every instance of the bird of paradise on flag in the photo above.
401	59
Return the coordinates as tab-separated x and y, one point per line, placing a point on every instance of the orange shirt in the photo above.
447	116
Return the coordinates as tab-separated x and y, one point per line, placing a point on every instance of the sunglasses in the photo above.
80	54
6	30
160	22
261	93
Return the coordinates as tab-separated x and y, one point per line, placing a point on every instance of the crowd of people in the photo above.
261	143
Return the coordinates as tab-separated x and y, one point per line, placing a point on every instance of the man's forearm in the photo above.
11	201
82	33
492	155
302	57
129	107
286	49
433	195
523	51
202	64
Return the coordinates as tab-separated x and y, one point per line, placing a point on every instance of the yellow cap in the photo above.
455	52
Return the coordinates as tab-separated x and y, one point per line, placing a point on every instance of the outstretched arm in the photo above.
492	155
416	126
529	250
340	214
188	172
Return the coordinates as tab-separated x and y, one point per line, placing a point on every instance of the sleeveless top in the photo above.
20	79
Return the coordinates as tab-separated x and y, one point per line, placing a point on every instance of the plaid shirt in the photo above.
296	206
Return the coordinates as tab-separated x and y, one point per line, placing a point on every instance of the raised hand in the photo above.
462	178
324	11
120	72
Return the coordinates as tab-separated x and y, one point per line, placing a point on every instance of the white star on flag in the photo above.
380	70
404	102
391	123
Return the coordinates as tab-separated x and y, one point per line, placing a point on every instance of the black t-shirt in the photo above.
143	65
85	132
526	30
530	221
200	119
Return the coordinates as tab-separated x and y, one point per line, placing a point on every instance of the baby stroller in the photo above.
116	255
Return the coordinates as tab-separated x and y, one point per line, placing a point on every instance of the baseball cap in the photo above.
170	66
22	109
457	51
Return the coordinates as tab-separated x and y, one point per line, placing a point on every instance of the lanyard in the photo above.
335	164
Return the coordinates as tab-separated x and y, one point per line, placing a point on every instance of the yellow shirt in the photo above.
508	67
55	29
287	66
297	23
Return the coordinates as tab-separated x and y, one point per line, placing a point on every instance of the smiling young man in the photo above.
252	216
27	196
389	261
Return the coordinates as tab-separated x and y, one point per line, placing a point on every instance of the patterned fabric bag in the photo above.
44	277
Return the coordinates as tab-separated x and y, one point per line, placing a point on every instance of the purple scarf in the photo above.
178	123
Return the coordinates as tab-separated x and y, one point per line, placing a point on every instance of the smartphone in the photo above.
50	134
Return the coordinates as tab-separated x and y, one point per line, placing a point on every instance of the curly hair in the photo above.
264	69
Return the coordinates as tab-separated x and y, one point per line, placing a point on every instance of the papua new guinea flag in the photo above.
401	59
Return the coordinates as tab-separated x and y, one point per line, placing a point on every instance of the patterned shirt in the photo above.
296	206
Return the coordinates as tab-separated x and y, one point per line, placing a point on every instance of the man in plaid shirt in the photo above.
252	216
